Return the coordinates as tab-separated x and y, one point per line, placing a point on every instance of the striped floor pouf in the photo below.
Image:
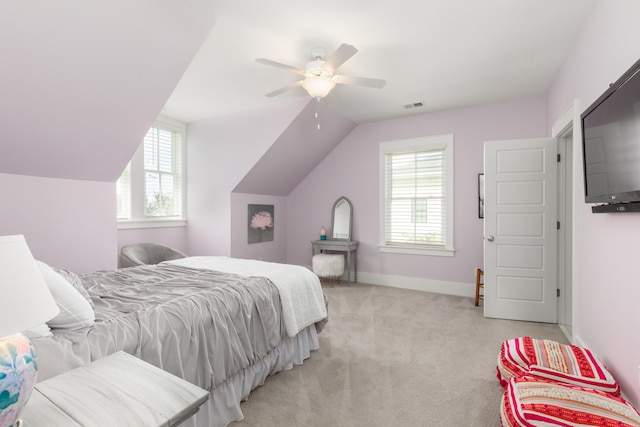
554	361
533	402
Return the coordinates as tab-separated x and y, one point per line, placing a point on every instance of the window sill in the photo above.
152	223
449	252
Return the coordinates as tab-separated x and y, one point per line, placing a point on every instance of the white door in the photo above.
520	236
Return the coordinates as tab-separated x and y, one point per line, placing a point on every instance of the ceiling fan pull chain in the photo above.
317	108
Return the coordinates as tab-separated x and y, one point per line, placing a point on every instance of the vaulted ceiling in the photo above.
81	82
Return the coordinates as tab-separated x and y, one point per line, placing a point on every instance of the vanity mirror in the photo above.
341	219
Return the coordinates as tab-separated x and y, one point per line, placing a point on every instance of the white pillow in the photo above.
75	282
75	311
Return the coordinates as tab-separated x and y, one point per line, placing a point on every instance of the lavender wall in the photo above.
607	277
67	223
352	170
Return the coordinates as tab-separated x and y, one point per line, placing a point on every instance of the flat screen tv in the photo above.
611	146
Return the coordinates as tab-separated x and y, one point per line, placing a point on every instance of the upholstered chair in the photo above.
146	253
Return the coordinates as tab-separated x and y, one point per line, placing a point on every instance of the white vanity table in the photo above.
340	237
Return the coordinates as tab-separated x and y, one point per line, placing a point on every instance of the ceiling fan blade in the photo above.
360	81
285	88
279	65
339	57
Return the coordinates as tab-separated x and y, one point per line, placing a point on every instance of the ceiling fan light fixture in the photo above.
319	78
318	86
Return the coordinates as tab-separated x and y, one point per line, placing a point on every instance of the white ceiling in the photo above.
443	53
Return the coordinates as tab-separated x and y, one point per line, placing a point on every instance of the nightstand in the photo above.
116	390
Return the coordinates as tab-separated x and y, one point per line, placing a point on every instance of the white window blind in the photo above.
415	198
416	195
162	173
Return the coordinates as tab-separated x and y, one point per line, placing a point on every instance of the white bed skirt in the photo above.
223	406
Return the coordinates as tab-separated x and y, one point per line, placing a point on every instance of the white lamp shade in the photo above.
318	86
25	300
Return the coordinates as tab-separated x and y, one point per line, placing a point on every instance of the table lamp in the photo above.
25	302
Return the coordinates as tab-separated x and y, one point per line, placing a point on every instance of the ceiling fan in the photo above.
319	78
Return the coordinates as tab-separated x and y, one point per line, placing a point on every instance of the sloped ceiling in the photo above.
82	81
300	148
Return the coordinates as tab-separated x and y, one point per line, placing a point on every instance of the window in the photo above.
416	196
150	191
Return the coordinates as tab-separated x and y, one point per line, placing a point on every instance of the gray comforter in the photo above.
203	326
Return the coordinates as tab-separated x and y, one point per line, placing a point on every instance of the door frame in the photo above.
568	131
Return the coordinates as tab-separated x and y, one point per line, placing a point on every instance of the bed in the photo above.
221	323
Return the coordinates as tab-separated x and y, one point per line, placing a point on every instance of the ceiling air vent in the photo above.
414	105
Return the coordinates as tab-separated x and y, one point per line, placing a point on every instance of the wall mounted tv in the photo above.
611	146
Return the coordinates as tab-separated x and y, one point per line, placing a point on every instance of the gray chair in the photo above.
146	253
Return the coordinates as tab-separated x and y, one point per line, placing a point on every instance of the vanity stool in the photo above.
328	266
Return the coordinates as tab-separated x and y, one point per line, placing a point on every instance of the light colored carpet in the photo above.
394	357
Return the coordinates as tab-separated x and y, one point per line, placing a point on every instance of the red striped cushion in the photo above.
534	402
551	360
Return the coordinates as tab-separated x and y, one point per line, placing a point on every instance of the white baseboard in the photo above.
577	340
566	333
419	284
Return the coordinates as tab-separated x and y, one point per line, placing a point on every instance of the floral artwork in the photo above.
261	220
261	223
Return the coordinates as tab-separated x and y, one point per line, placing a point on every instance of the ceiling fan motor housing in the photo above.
318	53
314	68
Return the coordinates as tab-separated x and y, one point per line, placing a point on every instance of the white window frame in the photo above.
137	185
427	143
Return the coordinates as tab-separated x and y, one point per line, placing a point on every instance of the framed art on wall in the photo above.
480	195
260	223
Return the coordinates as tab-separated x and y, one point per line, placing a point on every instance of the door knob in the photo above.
490	238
